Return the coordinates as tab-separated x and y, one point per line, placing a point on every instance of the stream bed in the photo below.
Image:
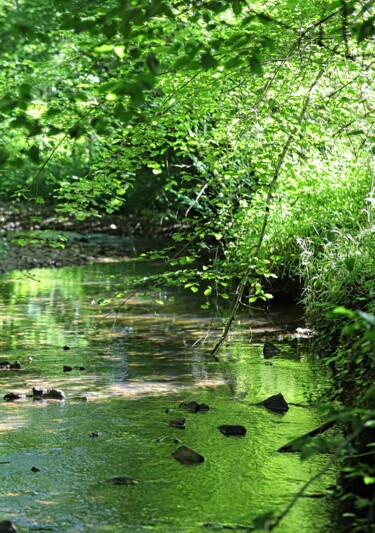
140	361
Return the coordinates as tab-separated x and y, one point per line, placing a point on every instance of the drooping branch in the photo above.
256	250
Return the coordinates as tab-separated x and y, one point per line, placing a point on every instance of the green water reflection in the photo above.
139	362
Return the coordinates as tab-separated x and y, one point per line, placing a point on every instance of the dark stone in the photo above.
186	456
67	368
39	392
232	431
4	363
160	439
35	469
15	366
276	403
122	480
6	526
269	350
79	368
11	397
66	347
94	434
194	407
54	394
178	423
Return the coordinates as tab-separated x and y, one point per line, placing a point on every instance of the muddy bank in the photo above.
54	240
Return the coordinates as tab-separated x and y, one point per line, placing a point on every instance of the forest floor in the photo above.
87	241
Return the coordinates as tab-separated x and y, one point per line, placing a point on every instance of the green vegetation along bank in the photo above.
248	127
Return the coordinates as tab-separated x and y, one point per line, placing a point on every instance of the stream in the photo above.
140	362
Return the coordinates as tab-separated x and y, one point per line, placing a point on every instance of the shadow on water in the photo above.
139	365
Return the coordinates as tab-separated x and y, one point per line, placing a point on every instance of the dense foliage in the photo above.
249	124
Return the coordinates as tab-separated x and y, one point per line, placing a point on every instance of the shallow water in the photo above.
140	361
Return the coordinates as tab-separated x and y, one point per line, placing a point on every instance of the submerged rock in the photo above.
67	368
6	526
11	397
35	469
187	456
122	480
194	407
232	431
178	423
4	364
276	403
269	350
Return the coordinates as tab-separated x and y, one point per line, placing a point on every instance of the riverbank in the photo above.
38	237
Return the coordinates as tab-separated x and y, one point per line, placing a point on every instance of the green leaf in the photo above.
4	154
208	61
256	65
34	154
237	6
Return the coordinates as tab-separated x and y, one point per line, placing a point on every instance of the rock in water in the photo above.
232	431
187	456
178	423
39	392
54	394
6	526
15	366
11	397
193	406
269	350
123	480
276	403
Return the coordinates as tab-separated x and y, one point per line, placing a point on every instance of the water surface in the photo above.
141	361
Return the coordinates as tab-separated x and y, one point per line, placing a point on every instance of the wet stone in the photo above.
35	469
67	368
54	394
15	366
6	526
11	397
178	423
232	431
187	456
122	480
270	350
193	406
276	403
39	392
